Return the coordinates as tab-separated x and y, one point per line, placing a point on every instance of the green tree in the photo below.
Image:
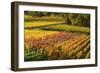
83	20
66	18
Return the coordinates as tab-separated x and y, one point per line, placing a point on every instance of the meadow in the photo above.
49	38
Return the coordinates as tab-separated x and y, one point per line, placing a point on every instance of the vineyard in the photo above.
57	45
48	38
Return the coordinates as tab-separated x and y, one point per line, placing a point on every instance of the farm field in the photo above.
49	38
36	22
69	28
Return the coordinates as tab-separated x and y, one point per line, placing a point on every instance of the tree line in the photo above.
76	19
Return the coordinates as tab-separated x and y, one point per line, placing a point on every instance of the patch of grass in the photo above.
40	23
69	28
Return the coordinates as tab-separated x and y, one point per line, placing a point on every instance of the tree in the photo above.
72	17
83	20
66	18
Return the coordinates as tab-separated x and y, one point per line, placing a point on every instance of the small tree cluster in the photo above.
77	19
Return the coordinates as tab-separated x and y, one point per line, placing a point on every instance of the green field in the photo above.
38	22
69	28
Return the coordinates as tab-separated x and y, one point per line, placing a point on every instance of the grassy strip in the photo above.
34	25
69	28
